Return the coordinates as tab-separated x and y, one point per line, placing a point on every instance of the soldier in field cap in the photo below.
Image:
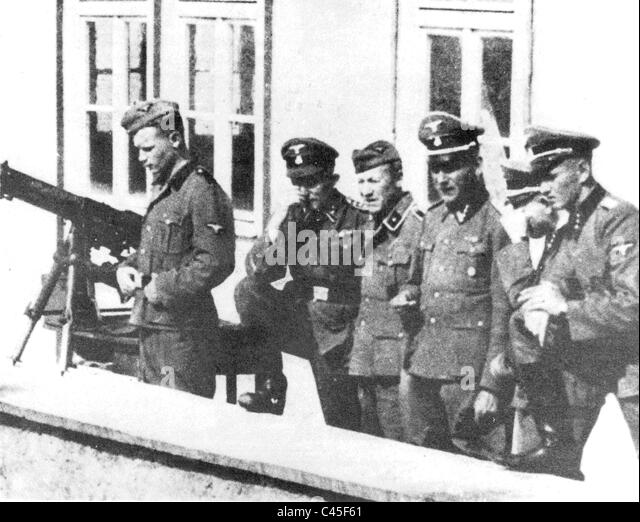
312	316
381	332
451	280
588	288
186	249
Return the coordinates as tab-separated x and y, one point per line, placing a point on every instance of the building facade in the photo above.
249	74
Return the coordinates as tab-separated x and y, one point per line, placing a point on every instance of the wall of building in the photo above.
333	78
591	84
28	143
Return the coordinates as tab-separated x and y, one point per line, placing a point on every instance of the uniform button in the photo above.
432	320
436	294
366	299
471	271
143	251
363	323
400	335
480	323
446	241
148	228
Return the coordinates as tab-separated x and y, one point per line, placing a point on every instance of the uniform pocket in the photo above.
427	246
474	260
400	255
172	234
399	262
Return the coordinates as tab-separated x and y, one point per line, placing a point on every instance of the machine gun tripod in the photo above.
68	257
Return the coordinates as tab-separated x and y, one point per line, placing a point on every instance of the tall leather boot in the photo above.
557	453
270	394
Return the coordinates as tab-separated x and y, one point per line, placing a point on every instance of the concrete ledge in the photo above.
119	408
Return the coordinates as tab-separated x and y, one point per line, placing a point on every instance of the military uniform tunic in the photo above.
381	331
454	273
187	245
455	270
596	267
313	316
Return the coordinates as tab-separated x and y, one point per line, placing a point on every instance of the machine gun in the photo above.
92	225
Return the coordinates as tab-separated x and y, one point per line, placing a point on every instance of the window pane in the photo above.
137	174
101	149
201	141
100	63
201	79
137	61
244	69
496	70
446	74
242	183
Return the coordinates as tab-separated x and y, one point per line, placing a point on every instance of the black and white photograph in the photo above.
306	255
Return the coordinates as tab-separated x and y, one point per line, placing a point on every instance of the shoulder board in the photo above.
435	205
355	203
201	171
418	212
609	202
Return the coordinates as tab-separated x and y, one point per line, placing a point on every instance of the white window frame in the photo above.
76	92
177	16
470	20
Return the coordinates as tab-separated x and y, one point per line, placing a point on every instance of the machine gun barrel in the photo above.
102	225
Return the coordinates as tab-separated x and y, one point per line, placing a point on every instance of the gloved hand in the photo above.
485	409
546	297
514	222
129	280
404	299
501	368
536	322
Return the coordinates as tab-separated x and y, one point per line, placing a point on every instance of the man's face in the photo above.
313	191
540	215
157	152
563	184
452	174
376	187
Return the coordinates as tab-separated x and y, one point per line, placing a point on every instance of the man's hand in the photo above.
514	223
536	322
545	297
485	407
129	280
151	292
403	300
500	367
275	222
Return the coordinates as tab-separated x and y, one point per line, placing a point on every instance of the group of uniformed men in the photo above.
461	305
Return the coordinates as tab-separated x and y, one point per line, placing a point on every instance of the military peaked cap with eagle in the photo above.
308	157
443	133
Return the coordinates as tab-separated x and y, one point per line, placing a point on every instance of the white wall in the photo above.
28	143
333	70
585	78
